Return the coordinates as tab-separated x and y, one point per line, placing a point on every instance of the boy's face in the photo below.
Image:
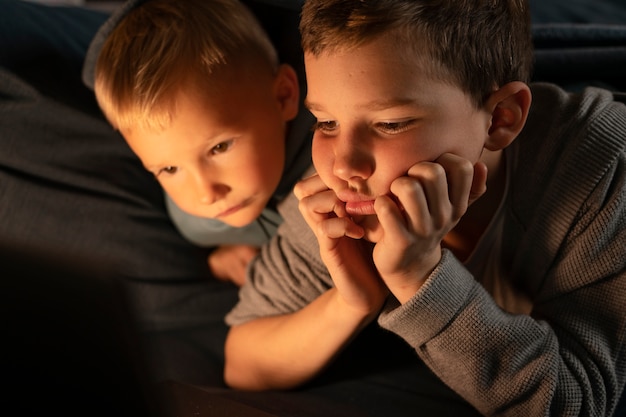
378	114
222	156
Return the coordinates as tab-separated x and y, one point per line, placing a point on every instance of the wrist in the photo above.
348	313
407	284
404	293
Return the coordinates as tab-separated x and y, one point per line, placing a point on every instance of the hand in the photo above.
347	256
229	262
427	203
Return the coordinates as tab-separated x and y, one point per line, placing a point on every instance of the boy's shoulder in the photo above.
573	118
571	143
577	132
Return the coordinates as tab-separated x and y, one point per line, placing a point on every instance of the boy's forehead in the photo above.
390	48
374	78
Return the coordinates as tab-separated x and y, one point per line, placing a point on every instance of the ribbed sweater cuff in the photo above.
428	312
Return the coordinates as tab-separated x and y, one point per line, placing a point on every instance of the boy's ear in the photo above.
287	91
509	106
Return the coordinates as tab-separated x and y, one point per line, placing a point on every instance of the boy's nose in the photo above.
352	158
208	190
211	193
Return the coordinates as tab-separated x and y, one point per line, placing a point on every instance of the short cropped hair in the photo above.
163	46
479	45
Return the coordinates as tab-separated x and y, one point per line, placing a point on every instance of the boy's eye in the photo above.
170	170
326	126
394	127
221	147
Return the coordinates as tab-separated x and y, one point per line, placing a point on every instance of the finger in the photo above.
338	227
432	178
392	221
317	207
412	204
309	186
459	173
479	182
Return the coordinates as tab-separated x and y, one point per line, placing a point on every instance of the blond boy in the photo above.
196	89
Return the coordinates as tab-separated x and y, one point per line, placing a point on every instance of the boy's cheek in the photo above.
322	157
327	178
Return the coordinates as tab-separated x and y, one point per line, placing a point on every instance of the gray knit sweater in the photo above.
565	232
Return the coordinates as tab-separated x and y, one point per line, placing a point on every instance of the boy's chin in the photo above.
242	218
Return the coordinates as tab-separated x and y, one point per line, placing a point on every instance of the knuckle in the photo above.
299	190
465	167
436	171
327	228
303	205
427	171
406	186
382	207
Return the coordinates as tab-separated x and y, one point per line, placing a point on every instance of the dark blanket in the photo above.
70	184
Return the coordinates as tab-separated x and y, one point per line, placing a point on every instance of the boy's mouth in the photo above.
229	211
360	208
357	204
233	209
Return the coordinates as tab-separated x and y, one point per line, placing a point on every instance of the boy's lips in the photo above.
357	204
361	208
229	211
233	209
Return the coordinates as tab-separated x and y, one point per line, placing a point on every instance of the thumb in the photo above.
479	182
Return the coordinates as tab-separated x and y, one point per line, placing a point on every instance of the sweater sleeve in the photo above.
287	274
493	359
568	357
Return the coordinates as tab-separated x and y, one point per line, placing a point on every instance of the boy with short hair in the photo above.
516	299
196	89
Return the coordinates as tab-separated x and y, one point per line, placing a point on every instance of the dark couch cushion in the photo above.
70	183
580	42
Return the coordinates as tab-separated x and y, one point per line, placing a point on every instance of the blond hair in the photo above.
163	46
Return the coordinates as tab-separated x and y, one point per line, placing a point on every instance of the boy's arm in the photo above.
569	355
290	321
566	358
284	351
287	285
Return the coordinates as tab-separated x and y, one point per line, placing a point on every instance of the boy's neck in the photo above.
463	238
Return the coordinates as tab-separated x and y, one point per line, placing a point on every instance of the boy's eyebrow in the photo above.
388	103
372	105
311	106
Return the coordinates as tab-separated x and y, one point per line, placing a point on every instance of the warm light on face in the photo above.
378	114
222	156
